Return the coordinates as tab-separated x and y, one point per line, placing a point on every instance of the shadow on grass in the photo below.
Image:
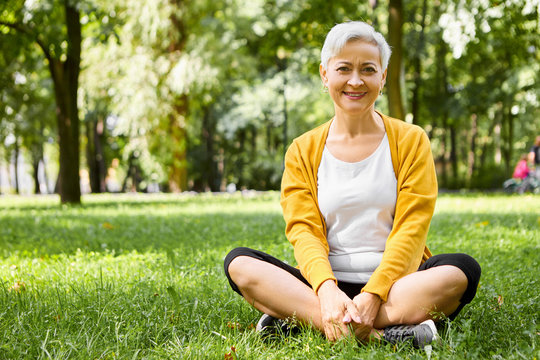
134	201
466	218
47	235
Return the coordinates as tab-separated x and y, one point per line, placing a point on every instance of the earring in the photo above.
325	89
380	92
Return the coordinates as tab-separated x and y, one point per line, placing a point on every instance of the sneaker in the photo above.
422	334
269	325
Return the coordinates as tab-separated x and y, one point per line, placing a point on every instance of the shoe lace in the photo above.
398	333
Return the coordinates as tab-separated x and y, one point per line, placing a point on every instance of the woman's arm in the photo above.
304	225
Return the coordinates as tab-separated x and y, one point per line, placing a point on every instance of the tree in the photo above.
191	94
395	36
492	79
95	125
64	67
27	114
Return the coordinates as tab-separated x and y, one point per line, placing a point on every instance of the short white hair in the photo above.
342	33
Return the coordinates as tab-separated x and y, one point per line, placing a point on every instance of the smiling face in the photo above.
354	77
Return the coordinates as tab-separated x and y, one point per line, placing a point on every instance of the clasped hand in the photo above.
339	312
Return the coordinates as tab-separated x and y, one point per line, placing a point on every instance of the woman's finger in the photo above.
329	332
335	330
353	312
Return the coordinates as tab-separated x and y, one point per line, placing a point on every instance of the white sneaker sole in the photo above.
433	328
259	327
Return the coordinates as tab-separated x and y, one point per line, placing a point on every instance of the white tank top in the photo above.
357	201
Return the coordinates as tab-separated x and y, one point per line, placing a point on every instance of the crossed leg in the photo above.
411	300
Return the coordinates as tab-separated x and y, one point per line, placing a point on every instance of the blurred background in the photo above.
206	95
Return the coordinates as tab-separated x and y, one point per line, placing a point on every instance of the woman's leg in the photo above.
417	296
275	291
444	284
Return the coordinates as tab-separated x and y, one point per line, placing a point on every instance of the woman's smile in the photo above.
354	95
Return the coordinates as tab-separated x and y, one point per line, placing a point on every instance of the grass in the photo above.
140	277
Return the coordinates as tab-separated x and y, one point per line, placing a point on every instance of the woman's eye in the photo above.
343	68
370	70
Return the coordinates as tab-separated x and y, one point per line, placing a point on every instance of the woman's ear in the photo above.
383	81
322	72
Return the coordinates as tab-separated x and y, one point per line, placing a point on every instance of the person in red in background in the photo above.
522	169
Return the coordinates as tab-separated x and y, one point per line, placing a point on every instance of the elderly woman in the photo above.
358	194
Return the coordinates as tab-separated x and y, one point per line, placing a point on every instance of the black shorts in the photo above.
464	262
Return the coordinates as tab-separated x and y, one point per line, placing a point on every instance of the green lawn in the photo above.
135	277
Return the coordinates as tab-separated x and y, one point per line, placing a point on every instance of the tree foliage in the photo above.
199	94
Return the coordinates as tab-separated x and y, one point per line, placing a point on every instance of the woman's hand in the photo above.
335	304
367	306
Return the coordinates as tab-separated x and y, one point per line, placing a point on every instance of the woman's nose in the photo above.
355	79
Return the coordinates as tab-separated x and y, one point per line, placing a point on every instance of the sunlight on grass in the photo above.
139	276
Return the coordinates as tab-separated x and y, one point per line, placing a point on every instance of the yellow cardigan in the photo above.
405	247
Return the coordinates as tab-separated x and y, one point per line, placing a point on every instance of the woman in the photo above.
358	194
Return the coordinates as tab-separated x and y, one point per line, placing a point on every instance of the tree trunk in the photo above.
48	190
133	173
269	140
90	154
210	168
395	36
508	137
441	79
497	142
99	137
35	174
36	153
485	147
453	153
16	151
221	169
240	164
285	112
253	137
472	150
444	146
65	75
95	157
177	130
177	133
417	63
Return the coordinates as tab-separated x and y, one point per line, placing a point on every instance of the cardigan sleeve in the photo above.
415	204
304	227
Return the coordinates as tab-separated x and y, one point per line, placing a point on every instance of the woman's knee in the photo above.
232	259
232	255
466	263
243	271
238	262
472	270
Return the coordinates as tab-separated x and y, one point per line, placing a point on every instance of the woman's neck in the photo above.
352	125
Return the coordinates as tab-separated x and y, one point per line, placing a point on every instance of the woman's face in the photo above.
354	77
